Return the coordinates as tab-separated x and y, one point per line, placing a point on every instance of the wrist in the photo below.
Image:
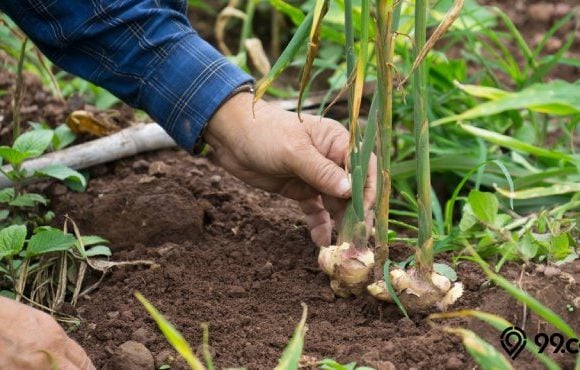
230	121
226	113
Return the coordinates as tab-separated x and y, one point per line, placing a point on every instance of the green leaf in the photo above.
74	179
514	144
445	270
468	219
51	240
13	156
296	15
486	92
8	294
12	240
532	303
539	192
6	195
482	352
63	137
499	324
556	97
4	213
390	289
329	364
527	247
92	240
173	336
99	250
29	200
484	205
33	142
560	246
291	357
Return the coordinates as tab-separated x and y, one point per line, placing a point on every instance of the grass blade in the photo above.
446	22
514	144
538	192
173	336
532	303
498	323
390	289
297	41
556	97
291	357
320	9
482	352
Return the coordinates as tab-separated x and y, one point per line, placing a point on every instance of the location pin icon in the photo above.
513	340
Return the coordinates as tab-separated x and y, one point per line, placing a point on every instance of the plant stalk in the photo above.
424	253
17	101
384	57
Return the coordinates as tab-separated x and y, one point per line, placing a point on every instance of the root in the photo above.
416	293
350	271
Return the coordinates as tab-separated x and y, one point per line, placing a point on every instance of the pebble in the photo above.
165	357
132	355
265	271
236	291
146	179
128	315
143	335
553	45
158	169
328	296
113	314
551	271
140	165
454	363
373	358
166	249
541	12
384	365
215	180
562	9
577	266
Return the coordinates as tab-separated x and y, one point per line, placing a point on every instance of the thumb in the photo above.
321	173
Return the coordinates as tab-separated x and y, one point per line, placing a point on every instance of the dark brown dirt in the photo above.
241	260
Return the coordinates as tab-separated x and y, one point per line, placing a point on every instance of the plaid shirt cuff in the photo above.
187	87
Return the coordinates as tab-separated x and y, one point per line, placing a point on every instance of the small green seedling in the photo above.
290	359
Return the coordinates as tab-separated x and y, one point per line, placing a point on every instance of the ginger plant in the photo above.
352	265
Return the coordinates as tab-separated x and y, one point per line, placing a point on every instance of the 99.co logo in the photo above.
514	340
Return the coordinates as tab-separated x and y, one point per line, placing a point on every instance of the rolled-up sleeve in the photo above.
144	52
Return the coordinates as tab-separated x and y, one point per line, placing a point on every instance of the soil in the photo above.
241	260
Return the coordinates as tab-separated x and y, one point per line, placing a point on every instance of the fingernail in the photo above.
344	187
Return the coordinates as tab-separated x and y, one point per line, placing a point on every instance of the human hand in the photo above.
32	340
276	152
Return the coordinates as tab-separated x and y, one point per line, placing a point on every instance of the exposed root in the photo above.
417	294
348	267
350	271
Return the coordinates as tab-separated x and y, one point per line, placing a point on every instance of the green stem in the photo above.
385	128
424	254
247	26
17	101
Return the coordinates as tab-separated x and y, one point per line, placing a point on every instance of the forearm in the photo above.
145	53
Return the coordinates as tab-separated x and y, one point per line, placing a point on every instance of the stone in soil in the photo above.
132	355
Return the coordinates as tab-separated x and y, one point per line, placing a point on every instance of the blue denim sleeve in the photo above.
143	51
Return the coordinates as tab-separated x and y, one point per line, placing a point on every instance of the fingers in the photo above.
321	173
318	220
370	190
298	190
336	207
